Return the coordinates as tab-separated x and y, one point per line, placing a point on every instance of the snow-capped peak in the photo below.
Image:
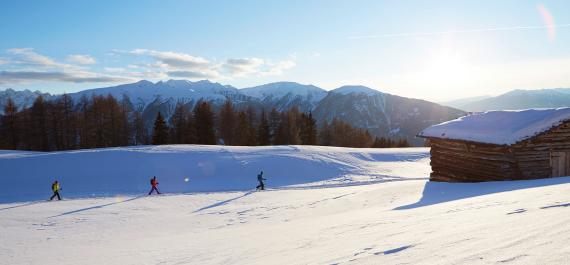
280	89
345	90
145	91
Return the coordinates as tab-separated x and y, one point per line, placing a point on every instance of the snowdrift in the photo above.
27	176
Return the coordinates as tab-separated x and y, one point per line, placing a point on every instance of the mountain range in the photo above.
381	113
515	100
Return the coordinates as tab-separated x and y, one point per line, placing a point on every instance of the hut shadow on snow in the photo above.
440	192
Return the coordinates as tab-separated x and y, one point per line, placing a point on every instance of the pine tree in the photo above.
9	129
402	143
308	132
69	122
139	130
126	129
242	129
97	122
282	132
227	123
39	125
294	119
379	143
113	121
263	130
179	122
54	116
204	118
251	116
81	116
160	133
274	121
325	134
190	134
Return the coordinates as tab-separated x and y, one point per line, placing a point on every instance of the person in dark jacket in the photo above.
154	185
55	188
261	185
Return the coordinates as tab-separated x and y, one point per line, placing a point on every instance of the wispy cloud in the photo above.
174	59
81	59
25	65
29	58
182	65
279	68
242	66
15	77
192	74
461	31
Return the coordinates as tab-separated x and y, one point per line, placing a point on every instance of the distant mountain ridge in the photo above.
284	95
22	98
518	99
382	114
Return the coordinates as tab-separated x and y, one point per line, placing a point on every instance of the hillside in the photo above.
369	207
193	168
383	114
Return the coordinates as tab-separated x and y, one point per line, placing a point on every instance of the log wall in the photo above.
457	161
462	161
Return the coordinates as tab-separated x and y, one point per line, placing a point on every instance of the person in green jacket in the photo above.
55	188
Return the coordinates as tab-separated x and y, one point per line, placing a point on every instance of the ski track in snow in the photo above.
393	216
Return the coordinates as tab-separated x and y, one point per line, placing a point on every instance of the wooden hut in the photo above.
501	145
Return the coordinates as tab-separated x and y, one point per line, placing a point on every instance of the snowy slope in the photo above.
397	222
499	127
127	170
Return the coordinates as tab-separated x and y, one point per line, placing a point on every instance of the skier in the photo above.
55	188
260	178
153	183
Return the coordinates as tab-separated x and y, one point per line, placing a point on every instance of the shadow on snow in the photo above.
223	202
20	205
440	192
556	206
97	206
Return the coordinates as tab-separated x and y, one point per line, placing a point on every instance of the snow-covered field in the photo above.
367	207
195	168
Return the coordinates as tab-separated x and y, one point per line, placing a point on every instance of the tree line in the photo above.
104	121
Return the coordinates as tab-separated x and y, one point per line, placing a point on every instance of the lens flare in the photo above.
186	179
548	20
119	198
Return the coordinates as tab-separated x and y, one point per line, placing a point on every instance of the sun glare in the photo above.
446	70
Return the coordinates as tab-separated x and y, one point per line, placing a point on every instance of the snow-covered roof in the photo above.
499	127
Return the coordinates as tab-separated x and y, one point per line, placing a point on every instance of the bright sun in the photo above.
446	70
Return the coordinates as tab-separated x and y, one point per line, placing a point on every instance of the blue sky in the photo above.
436	50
